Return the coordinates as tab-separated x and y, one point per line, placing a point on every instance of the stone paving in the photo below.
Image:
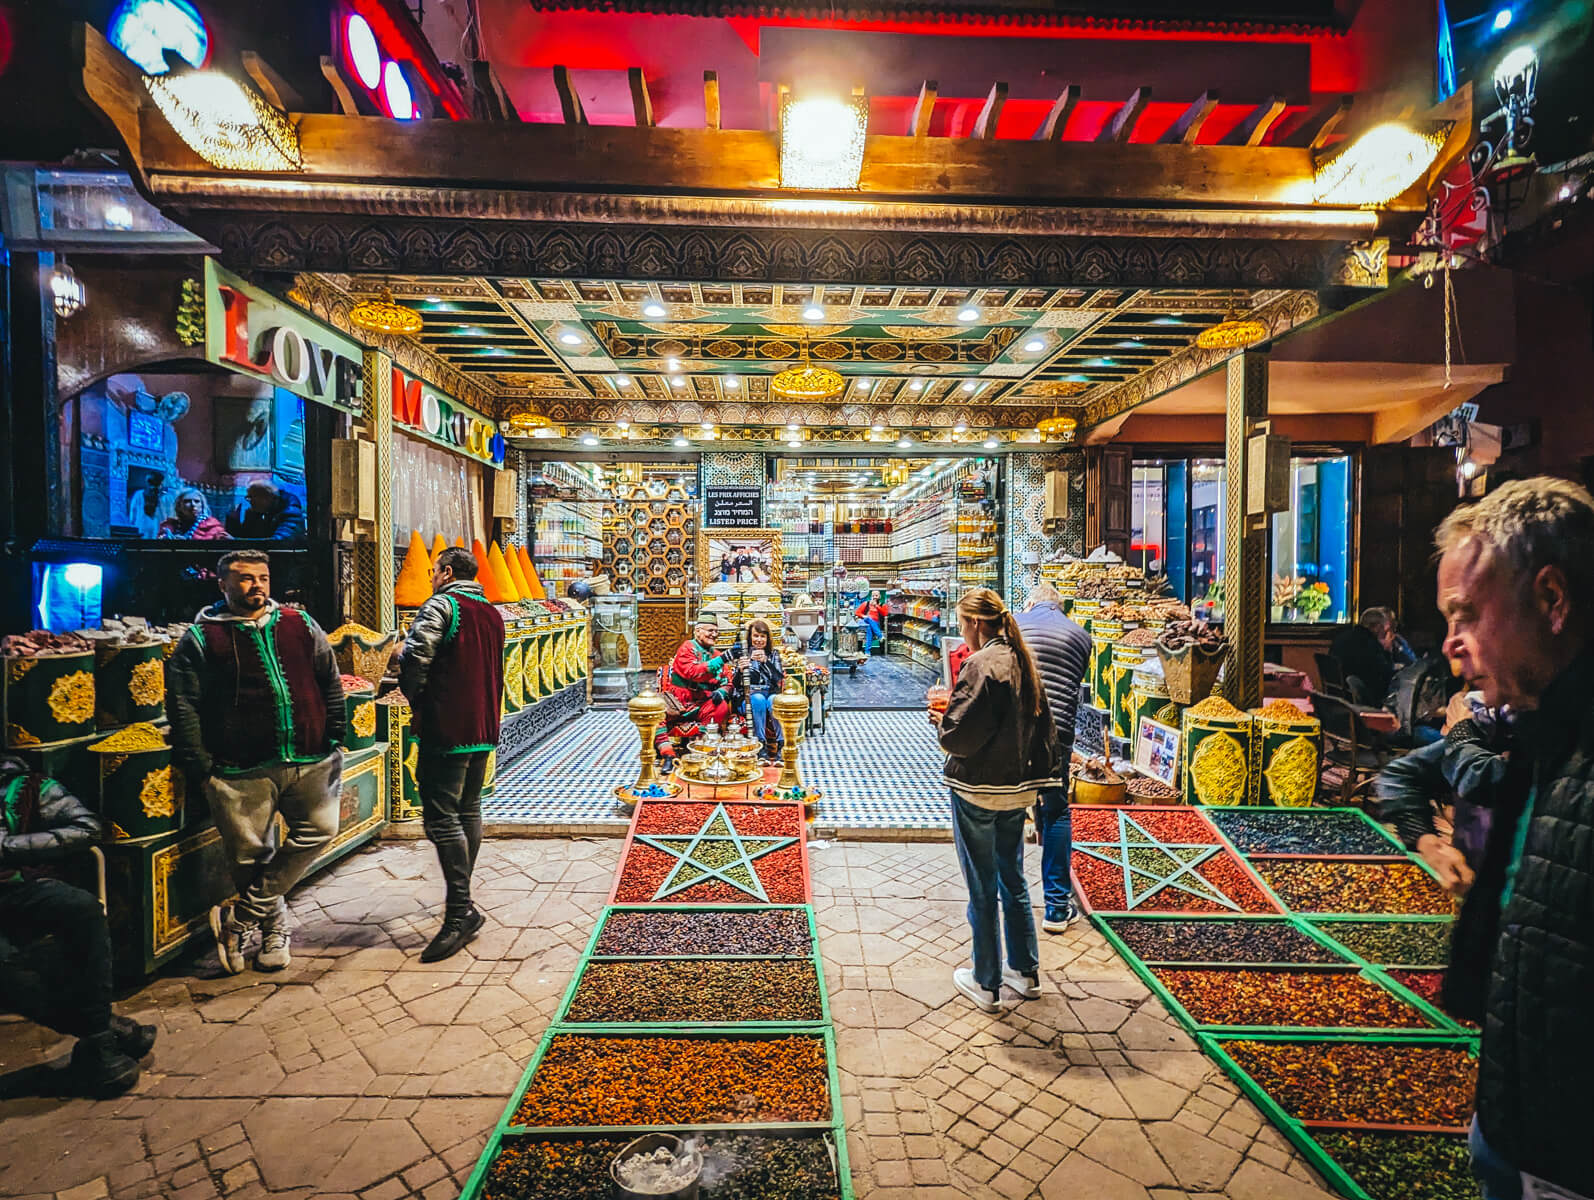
362	1072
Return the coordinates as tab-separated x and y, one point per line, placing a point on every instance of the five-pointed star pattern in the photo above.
716	851
1170	864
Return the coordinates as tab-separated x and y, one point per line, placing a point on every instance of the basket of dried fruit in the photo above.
1192	655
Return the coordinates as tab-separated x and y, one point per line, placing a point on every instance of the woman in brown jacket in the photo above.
1001	749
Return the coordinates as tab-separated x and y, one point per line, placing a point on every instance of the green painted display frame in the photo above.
1297	1131
588	957
1397	849
836	1126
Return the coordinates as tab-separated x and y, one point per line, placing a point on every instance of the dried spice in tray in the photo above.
1316	886
677	1081
1301	999
1365	1082
1403	1166
1169	824
697	990
1302	831
1220	941
735	1167
1393	943
777	931
647	869
764	820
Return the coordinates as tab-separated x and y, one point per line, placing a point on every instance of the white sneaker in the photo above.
963	979
274	946
1027	986
230	935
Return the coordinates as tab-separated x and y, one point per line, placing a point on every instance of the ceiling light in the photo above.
916	386
961	427
384	316
865	384
732	383
1383	162
66	290
990	443
622	381
969	386
622	424
229	125
1502	19
434	300
706	425
1057	428
681	443
794	443
813	313
396	92
877	429
364	56
118	216
653	310
793	426
1034	346
589	440
822	142
969	314
1231	333
904	443
570	339
677	381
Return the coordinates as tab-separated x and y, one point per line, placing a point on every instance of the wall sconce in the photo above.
225	122
821	142
1379	165
1516	82
66	291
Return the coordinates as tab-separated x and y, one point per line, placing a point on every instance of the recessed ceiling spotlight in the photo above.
622	381
681	443
1034	346
653	310
877	429
865	384
570	339
673	364
677	381
990	443
732	383
433	300
707	425
904	443
794	443
622	424
969	386
916	386
813	313
968	314
589	440
961	427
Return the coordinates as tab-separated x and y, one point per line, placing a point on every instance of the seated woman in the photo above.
191	519
872	618
766	675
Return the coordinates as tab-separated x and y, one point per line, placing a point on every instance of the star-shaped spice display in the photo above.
716	851
1149	864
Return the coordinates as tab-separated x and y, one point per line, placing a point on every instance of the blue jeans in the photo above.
1498	1178
990	848
871	633
1056	828
758	710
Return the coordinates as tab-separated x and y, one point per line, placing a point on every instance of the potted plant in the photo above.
1311	601
1285	589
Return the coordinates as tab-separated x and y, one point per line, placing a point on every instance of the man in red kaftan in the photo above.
698	681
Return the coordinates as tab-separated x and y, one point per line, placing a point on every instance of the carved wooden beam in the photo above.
923	109
569	98
641	102
340	88
1319	125
1123	123
711	101
1187	128
1056	122
990	112
1253	129
272	86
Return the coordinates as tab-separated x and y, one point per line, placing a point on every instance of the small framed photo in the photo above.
1157	751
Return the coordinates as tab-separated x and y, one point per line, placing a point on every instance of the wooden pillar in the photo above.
1245	570
373	599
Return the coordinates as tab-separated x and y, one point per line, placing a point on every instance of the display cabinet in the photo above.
617	660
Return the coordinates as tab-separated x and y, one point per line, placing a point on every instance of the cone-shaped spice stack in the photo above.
414	584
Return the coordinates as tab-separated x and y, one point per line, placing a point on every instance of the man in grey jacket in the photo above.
1062	652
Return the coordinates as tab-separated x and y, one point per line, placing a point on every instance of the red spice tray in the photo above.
1196	996
736	854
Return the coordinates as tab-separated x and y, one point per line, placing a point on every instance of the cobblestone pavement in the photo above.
360	1071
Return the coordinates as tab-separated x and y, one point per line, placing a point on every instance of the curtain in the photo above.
436	491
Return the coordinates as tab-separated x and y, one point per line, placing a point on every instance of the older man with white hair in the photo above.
1516	587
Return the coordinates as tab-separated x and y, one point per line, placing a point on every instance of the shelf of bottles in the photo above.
566	517
978	529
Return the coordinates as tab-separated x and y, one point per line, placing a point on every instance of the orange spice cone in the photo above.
516	575
535	590
413	587
460	542
483	571
503	585
438	546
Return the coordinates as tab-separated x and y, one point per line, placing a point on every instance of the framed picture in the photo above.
145	431
243	433
1157	751
738	556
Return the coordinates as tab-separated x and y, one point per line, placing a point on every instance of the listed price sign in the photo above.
733	507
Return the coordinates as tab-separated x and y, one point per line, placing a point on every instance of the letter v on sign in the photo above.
320	363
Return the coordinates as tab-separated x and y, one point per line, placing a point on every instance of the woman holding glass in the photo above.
1001	749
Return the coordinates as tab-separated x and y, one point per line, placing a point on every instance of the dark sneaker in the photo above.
453	936
99	1069
132	1039
1057	920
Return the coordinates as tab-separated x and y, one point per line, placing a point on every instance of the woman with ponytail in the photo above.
1001	748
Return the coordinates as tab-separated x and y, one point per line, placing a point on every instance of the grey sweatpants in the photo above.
244	807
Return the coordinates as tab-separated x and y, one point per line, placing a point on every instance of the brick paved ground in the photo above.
362	1072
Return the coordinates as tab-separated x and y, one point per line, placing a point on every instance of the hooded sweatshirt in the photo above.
244	692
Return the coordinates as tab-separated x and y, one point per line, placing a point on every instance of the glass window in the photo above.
1311	543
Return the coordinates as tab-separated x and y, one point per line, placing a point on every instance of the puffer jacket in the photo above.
40	821
998	754
1535	1104
1062	652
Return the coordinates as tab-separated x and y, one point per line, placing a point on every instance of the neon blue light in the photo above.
1502	19
145	29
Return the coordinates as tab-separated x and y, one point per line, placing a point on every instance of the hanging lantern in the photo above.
1057	429
385	316
1231	333
806	382
67	291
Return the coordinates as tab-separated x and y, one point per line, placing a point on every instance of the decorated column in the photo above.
1245	572
373	598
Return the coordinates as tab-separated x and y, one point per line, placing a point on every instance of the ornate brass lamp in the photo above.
646	710
790	706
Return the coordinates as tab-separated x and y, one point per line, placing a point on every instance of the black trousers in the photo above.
451	813
55	956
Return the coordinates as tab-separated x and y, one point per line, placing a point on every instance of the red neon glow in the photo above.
398	40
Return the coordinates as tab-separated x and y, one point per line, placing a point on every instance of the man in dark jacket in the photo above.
1366	653
268	513
452	673
41	823
1516	586
1062	652
255	701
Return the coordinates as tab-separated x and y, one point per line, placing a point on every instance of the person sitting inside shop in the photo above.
1367	654
697	690
191	519
267	513
872	619
766	675
55	945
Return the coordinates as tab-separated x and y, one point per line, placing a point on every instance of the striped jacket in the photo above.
1062	652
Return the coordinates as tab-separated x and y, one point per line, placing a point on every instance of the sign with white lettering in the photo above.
728	507
251	331
426	412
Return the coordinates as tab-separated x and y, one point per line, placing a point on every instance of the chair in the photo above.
1352	754
1332	674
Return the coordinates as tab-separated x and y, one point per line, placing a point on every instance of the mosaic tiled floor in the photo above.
882	683
877	770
